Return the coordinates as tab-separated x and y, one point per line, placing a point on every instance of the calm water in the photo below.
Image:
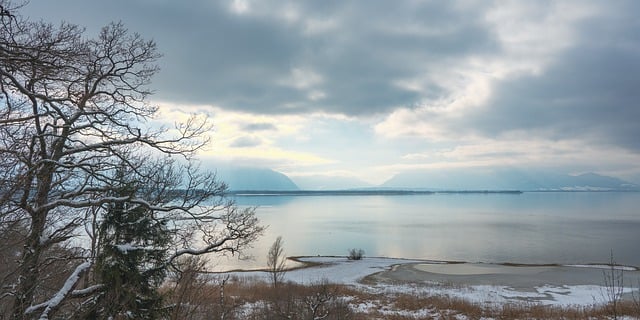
520	228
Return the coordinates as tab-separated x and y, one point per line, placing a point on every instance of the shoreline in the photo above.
515	276
485	283
305	262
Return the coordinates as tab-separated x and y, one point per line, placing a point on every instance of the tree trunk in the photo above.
29	272
33	247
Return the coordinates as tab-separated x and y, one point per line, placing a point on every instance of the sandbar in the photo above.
521	277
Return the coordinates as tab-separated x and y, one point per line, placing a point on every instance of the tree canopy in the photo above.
74	115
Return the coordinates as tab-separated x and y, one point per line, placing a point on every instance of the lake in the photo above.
531	227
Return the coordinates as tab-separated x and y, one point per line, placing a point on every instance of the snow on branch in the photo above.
57	299
86	291
82	204
125	248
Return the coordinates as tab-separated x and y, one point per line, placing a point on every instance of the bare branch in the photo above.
74	113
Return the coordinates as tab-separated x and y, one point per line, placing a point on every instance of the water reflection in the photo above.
262	200
524	228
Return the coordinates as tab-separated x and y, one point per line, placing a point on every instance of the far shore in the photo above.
364	192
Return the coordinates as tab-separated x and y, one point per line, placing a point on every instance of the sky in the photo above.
369	89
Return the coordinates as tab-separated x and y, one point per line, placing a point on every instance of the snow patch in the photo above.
334	269
125	248
602	266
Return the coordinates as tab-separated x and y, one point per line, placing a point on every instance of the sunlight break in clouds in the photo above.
240	6
248	139
305	80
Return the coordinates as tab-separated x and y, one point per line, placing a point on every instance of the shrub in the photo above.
355	254
321	300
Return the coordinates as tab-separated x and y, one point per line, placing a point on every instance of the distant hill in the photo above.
319	182
505	179
467	179
247	178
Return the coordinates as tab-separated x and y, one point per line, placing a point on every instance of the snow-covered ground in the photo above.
333	269
343	271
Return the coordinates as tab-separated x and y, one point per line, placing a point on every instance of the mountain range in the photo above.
506	179
247	178
319	182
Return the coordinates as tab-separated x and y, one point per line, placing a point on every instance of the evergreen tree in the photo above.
132	249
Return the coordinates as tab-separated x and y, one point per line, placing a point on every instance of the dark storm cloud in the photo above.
380	42
215	56
591	91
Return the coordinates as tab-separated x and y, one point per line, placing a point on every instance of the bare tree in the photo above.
613	287
276	261
72	112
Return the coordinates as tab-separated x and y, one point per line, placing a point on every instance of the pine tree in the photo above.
133	245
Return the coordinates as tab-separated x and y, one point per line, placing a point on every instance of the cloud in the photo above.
589	92
521	151
248	139
245	142
259	126
421	83
265	156
560	75
291	57
274	57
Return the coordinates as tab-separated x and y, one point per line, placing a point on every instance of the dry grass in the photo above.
255	299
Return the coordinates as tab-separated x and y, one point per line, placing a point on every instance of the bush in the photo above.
321	300
355	254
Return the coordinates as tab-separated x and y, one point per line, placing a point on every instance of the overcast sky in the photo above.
372	88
